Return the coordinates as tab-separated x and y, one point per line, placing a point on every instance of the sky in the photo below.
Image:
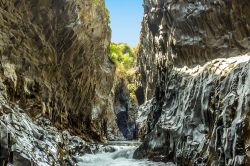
125	17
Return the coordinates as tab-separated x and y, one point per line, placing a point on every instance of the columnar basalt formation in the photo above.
54	62
198	53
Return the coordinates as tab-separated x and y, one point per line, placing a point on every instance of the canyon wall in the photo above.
54	63
55	80
194	67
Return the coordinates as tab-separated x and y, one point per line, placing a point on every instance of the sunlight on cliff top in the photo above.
220	66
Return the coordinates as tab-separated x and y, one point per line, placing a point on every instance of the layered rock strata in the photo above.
198	53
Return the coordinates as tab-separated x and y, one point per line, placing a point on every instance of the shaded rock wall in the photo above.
54	62
197	52
125	113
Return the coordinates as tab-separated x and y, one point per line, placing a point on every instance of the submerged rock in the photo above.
194	60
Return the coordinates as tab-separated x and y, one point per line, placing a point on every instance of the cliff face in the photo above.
190	33
54	62
198	53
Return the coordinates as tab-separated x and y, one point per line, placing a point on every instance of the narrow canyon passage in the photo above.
124	82
120	151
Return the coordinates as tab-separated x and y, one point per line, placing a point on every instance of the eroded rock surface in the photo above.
194	60
25	142
54	62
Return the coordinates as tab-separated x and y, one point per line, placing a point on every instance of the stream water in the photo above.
122	156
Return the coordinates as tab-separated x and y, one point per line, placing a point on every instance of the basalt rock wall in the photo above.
54	63
194	66
189	33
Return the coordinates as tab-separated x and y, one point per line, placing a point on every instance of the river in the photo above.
121	156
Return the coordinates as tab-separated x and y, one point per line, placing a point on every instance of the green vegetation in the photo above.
95	2
107	15
123	56
131	88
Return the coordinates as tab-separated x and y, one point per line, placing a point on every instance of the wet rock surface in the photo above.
194	63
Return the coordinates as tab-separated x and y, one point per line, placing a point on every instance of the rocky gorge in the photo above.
61	101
